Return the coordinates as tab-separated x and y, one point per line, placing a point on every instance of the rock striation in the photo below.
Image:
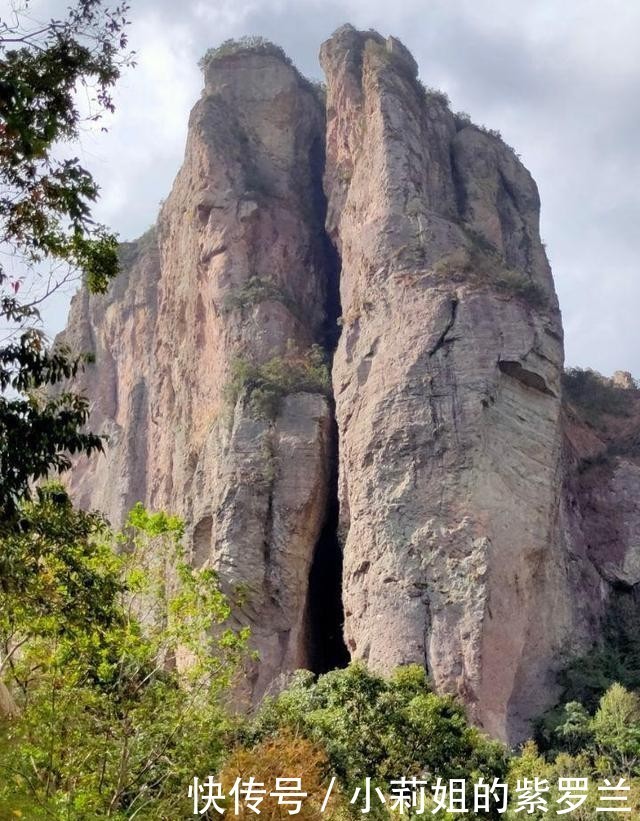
447	391
234	274
473	541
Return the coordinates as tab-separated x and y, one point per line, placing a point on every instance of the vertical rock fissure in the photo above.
326	649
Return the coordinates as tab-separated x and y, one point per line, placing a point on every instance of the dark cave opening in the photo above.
326	649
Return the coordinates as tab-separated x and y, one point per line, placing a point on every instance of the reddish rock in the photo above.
489	527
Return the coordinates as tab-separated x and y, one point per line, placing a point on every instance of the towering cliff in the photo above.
447	390
465	513
234	275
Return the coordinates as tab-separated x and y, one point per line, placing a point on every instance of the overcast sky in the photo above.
559	78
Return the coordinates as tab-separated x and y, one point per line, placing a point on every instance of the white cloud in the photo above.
559	80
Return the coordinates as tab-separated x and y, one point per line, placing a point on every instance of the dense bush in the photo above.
369	726
434	95
284	754
462	120
601	745
97	721
381	728
520	286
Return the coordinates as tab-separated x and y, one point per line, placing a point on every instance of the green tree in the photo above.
528	766
46	218
381	728
574	729
118	693
616	729
581	745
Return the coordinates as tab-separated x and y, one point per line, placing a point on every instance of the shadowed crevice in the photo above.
325	615
326	649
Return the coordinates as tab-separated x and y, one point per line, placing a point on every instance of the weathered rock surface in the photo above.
600	511
447	390
488	528
244	218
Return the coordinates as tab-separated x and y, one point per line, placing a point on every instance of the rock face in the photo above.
474	542
447	390
600	514
235	271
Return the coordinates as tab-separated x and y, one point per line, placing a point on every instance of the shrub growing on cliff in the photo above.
487	263
434	95
254	291
266	385
462	119
516	283
482	264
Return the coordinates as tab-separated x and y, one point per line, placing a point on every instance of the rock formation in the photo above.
234	272
447	390
469	538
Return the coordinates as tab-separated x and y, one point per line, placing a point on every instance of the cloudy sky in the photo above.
560	80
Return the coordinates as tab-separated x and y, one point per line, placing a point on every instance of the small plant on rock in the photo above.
267	384
254	291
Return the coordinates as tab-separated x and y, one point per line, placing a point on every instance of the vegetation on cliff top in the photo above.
252	44
595	396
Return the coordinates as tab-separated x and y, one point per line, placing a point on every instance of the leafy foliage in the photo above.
264	386
371	726
462	120
56	575
616	729
516	283
45	205
434	95
37	432
254	291
605	744
284	754
586	678
45	216
116	655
